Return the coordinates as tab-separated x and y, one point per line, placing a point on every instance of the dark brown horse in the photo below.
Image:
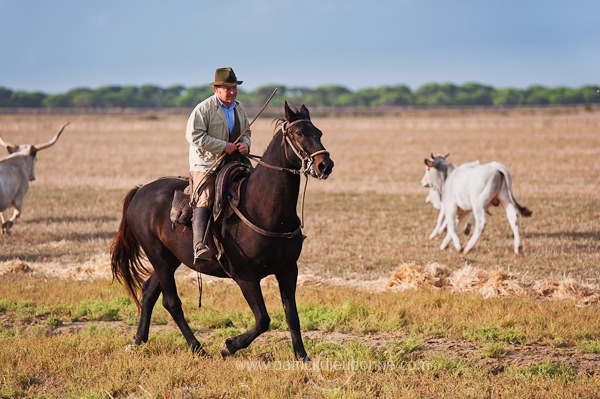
268	201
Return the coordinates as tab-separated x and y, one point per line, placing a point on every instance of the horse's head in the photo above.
305	149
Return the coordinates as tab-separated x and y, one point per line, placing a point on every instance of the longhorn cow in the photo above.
16	171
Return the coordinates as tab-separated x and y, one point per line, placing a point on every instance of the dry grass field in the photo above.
363	222
367	221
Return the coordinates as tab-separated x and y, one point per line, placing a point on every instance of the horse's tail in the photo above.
126	255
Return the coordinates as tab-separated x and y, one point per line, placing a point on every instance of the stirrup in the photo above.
202	253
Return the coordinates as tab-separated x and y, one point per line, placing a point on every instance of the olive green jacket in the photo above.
207	131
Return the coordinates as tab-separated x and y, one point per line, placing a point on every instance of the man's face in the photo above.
226	94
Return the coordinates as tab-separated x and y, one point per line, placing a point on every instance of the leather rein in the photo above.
307	161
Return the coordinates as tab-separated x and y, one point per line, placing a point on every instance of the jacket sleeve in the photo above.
197	133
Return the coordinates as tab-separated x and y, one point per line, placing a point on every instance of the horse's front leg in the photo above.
253	294
287	288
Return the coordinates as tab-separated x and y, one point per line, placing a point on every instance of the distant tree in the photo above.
435	94
591	94
260	95
265	91
170	95
83	98
565	96
432	94
112	96
190	97
395	95
150	96
314	99
365	97
347	100
57	101
325	95
473	94
536	95
5	96
508	96
27	100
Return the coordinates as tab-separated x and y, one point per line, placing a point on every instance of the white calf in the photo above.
434	198
472	188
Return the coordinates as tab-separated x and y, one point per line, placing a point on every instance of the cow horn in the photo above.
7	145
432	155
447	155
50	143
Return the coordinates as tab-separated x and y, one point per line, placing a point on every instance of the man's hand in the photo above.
230	148
243	148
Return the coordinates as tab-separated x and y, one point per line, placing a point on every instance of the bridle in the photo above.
307	159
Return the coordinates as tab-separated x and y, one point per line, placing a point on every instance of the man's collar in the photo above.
232	106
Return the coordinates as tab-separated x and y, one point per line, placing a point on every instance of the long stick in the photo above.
218	161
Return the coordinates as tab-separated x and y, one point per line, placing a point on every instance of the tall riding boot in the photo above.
199	223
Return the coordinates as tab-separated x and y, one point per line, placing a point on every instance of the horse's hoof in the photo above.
130	347
199	351
227	348
304	359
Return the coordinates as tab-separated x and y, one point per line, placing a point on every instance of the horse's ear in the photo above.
290	112
304	111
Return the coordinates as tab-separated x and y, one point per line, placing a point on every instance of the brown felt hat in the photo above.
225	77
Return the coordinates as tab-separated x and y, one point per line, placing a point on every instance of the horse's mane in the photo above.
278	122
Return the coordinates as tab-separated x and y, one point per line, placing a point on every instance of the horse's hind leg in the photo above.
172	303
253	294
165	265
150	294
287	288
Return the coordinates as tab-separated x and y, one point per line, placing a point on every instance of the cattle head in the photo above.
436	171
31	150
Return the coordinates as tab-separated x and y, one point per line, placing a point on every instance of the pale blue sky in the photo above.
56	45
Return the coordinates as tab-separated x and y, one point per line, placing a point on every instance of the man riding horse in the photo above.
213	130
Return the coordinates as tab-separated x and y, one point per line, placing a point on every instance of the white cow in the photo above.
471	188
16	171
434	198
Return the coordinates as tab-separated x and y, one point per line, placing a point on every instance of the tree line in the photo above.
432	94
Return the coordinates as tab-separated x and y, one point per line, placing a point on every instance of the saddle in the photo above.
227	185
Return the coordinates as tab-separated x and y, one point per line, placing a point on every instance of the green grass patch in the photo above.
549	369
101	310
490	334
590	346
403	347
494	350
54	321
